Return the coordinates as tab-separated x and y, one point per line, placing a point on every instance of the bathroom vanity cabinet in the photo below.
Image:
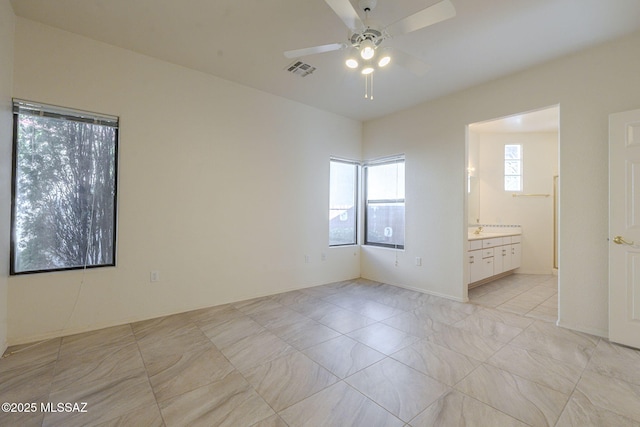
491	257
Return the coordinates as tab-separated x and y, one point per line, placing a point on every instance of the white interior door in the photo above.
624	228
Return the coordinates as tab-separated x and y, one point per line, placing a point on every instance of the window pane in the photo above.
65	188
385	204
385	224
512	183
512	152
512	167
385	182
343	179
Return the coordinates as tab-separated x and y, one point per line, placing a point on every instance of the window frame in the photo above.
22	107
366	201
356	203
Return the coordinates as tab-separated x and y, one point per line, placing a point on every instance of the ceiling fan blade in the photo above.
428	16
347	13
410	62
313	50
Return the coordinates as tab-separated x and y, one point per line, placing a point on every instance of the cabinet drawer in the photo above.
516	239
490	243
487	253
475	244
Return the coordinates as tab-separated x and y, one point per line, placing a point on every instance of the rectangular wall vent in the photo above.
300	68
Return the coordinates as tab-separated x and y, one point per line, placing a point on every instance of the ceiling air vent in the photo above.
300	68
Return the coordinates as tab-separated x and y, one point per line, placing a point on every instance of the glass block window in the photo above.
513	167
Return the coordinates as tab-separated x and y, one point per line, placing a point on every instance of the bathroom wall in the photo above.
534	214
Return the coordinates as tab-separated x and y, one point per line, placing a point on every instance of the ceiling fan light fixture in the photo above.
352	63
367	50
384	60
368	69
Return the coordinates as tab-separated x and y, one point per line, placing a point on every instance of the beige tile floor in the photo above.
354	353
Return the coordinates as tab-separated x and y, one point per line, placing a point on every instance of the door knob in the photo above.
618	240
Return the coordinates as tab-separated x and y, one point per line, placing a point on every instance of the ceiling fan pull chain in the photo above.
371	97
366	85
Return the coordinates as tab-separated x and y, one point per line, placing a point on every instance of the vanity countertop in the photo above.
490	235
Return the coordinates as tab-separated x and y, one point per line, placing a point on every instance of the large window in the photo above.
343	207
513	167
64	189
384	203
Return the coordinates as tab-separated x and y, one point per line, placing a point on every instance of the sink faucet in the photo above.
478	231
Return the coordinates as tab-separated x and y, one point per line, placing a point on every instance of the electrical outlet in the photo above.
418	261
323	256
154	276
307	260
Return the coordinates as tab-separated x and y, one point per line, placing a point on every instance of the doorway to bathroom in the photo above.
512	191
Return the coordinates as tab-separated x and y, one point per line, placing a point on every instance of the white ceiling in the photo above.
244	40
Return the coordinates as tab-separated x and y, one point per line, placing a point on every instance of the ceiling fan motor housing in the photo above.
375	36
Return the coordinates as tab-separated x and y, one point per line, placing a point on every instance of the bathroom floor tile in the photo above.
343	356
29	355
520	398
399	389
468	343
257	305
189	370
457	409
99	365
292	297
343	321
305	333
148	416
611	394
616	361
555	374
414	324
274	318
487	327
105	398
383	338
256	349
557	343
440	313
214	316
289	379
95	340
228	402
337	406
438	362
232	331
580	412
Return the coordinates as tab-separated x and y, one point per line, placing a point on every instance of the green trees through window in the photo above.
64	189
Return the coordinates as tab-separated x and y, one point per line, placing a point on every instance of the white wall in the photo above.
222	188
588	86
7	25
534	214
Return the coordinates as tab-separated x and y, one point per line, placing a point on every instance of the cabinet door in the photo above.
499	259
487	267
475	266
516	256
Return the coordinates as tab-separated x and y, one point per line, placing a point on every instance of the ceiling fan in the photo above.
366	39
